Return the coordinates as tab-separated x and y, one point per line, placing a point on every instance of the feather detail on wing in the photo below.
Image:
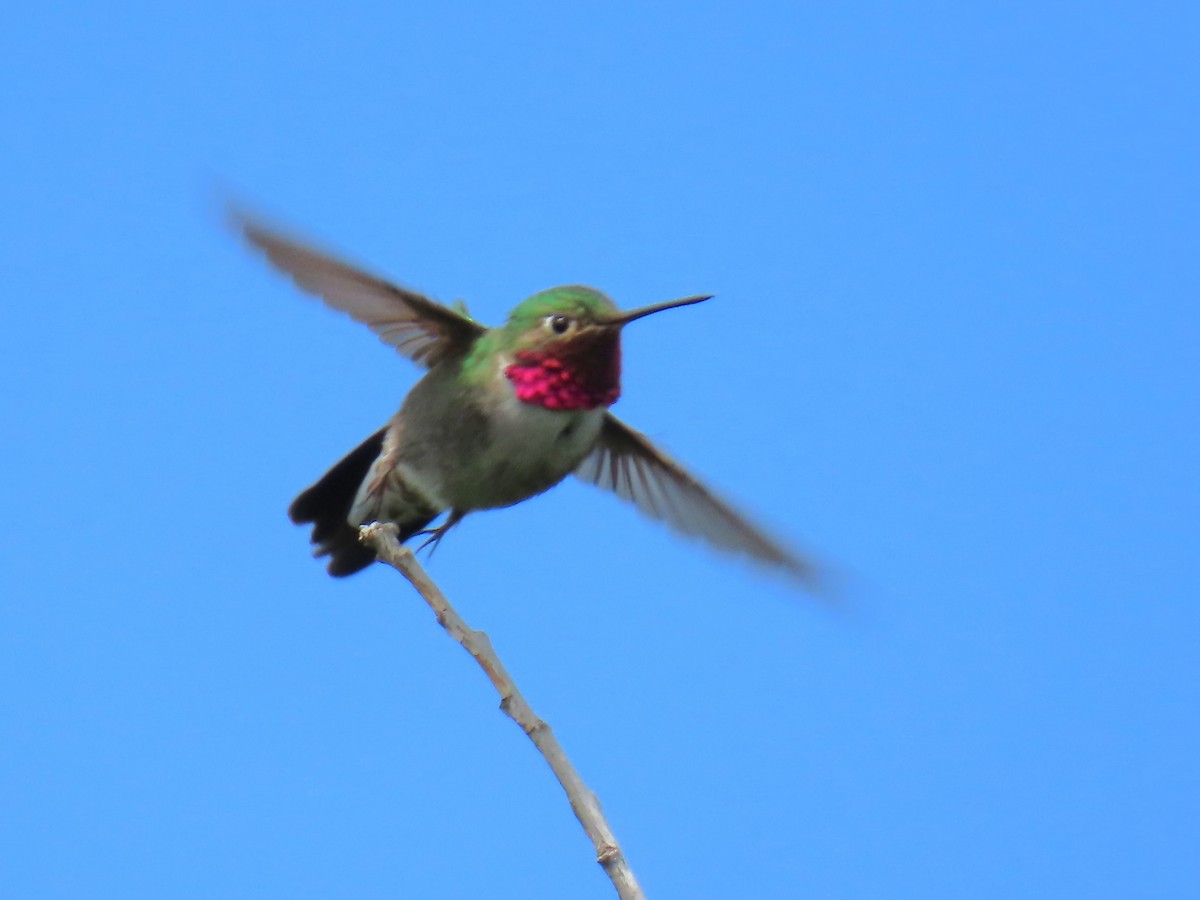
421	329
626	463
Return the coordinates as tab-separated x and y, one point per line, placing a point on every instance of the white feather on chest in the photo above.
527	432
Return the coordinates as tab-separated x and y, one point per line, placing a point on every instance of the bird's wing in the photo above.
421	329
626	463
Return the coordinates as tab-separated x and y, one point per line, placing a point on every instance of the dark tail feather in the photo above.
327	505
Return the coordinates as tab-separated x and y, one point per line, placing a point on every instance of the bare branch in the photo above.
382	538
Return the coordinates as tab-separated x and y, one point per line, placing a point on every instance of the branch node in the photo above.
607	854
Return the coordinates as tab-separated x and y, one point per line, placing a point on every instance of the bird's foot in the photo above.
434	535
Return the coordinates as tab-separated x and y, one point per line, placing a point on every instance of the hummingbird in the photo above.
502	414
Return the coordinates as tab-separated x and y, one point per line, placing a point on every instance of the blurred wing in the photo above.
626	463
421	329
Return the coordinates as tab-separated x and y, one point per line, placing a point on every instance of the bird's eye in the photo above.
559	324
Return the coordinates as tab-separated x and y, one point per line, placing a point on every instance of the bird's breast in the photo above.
532	448
479	446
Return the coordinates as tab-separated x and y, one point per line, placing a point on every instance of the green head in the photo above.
563	315
556	315
565	347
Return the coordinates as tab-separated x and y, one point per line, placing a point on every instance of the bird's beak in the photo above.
624	318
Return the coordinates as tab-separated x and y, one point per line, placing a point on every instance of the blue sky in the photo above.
953	353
